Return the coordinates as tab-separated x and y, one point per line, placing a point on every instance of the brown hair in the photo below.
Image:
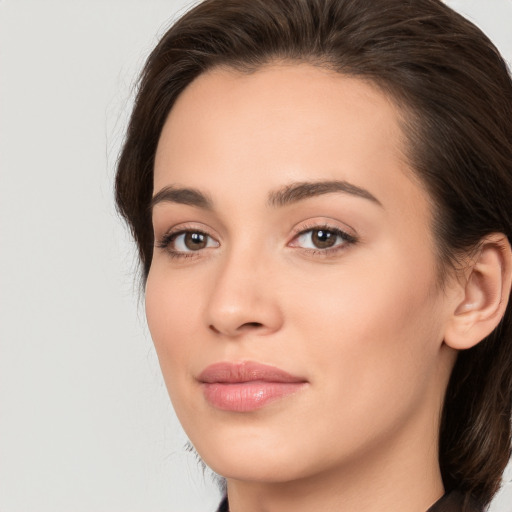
456	95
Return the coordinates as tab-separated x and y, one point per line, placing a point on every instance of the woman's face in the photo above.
292	295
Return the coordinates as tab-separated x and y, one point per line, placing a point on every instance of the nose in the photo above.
243	299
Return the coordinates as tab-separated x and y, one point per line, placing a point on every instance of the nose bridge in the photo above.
242	295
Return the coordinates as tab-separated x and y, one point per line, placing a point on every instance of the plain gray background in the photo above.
85	422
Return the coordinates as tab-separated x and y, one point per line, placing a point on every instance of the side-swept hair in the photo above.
455	95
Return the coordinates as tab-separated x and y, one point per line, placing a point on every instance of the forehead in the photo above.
287	122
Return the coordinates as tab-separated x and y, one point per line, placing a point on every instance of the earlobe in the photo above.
487	284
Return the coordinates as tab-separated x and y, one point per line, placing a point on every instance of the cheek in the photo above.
172	312
371	331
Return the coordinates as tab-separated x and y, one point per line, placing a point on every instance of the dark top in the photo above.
450	502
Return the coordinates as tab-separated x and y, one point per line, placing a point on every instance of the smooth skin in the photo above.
336	283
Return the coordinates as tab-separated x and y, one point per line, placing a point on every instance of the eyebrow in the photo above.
189	196
284	196
303	190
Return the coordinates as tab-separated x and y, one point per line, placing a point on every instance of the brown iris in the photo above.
323	239
195	241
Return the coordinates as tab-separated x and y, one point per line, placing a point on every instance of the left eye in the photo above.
321	238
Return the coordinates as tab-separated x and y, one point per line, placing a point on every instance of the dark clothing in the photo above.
223	507
454	502
451	502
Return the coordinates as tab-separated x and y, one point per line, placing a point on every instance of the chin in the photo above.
251	458
262	469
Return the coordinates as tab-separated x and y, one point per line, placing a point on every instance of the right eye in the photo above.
183	243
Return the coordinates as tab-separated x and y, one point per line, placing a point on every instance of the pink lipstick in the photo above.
247	386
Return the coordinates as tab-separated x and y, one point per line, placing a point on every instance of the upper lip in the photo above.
247	371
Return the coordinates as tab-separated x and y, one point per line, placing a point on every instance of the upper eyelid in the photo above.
184	227
332	225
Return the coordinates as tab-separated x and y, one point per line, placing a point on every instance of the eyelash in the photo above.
348	239
166	241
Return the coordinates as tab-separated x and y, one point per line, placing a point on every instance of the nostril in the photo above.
243	327
251	325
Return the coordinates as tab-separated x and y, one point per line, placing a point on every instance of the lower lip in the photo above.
247	396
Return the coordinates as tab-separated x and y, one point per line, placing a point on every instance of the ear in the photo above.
486	290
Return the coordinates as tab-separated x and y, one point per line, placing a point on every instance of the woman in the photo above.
320	194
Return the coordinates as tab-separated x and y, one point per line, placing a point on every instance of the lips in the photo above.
247	386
